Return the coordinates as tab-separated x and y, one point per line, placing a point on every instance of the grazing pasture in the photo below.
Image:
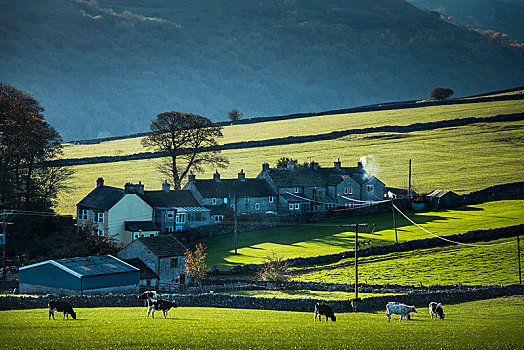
462	159
444	265
495	323
313	294
326	237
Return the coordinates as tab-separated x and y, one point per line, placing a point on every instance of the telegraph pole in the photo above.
518	253
235	218
3	242
356	226
409	185
394	221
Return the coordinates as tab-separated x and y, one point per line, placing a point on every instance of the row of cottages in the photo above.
132	212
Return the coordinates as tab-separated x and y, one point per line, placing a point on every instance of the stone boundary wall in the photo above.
246	302
505	190
299	139
367	108
470	236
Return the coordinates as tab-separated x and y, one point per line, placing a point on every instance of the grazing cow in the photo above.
354	303
163	305
399	309
61	306
436	309
324	310
149	295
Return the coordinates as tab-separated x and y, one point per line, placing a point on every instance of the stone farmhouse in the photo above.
133	212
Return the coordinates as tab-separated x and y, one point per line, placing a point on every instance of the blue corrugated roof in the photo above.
90	266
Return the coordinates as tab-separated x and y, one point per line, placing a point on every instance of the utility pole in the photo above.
235	218
356	226
518	253
3	240
409	185
394	220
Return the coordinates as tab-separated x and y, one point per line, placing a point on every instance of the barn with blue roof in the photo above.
102	274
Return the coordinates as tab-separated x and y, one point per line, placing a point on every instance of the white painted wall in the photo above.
130	208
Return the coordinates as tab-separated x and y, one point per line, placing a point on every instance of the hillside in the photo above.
106	68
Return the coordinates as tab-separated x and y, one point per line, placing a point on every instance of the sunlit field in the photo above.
326	237
461	159
451	265
495	324
313	294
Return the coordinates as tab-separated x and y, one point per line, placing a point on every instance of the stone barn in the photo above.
79	276
440	199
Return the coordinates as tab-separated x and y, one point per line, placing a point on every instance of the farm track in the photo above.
302	139
370	260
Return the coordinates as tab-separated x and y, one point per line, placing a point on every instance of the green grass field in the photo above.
445	265
462	159
313	294
327	238
315	125
494	324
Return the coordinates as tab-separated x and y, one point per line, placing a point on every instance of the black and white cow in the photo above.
160	305
399	309
61	306
324	310
436	309
354	303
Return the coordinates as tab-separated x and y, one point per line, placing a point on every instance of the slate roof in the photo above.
163	246
102	198
225	187
298	198
440	193
311	177
135	226
162	199
145	272
89	266
221	209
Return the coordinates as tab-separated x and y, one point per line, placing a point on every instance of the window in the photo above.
246	199
169	228
99	217
348	190
225	200
178	228
297	189
180	218
257	206
291	206
84	214
370	188
174	263
219	218
101	233
369	202
170	214
214	201
136	235
297	206
271	198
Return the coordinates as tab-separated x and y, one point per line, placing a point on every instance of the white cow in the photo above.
399	309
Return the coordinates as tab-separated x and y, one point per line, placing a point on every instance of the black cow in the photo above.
162	305
436	309
61	306
150	294
324	310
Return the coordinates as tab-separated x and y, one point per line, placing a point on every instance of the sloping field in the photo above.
496	323
462	159
327	238
315	125
455	264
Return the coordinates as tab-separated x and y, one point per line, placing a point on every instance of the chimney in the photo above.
338	164
265	166
216	176
191	177
291	164
131	188
360	166
242	175
99	182
315	165
165	186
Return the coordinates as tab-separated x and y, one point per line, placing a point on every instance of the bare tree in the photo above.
274	269
188	141
235	114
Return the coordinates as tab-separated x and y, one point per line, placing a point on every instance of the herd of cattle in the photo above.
153	304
